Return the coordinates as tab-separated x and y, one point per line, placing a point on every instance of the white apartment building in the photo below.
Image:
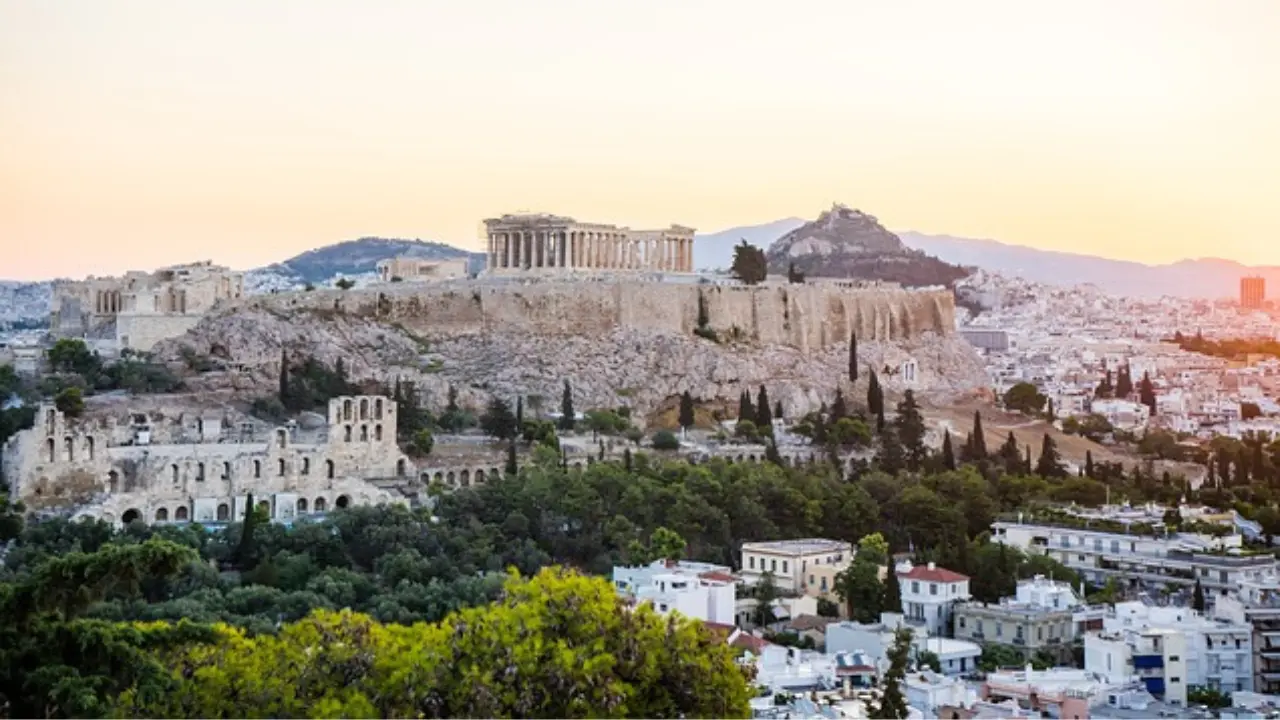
697	590
1123	414
957	657
1257	602
930	593
1218	651
1157	657
1178	558
792	562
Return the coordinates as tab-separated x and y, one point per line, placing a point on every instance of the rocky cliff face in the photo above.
642	369
848	243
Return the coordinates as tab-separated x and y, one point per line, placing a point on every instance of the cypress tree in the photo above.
626	459
777	410
686	411
1049	412
853	357
520	413
771	453
284	379
764	413
892	590
875	396
1088	463
1050	464
838	407
1197	597
745	410
246	551
512	467
948	455
1026	463
1124	383
1147	393
566	408
979	437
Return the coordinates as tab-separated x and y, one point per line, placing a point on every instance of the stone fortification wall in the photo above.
809	316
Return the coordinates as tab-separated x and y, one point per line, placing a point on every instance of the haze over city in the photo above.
145	133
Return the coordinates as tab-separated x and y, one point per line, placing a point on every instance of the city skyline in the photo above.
149	133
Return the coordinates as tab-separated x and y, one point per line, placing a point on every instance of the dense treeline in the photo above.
1228	348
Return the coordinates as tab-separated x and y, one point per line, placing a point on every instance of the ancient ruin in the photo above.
202	466
541	242
138	309
414	270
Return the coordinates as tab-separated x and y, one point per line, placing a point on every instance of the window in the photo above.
915	587
280	467
999	629
1174	680
346	434
226	471
306	466
751	561
1115	546
1173	658
933	588
784	566
173	471
773	566
199	472
257	468
960	621
812	580
377	433
328	468
364	433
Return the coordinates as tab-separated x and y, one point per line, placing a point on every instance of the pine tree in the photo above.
839	409
1050	464
567	415
979	438
1147	393
686	411
853	357
1197	597
746	411
512	467
893	705
948	454
764	412
911	431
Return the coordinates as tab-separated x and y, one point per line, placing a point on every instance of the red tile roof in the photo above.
937	574
750	642
718	576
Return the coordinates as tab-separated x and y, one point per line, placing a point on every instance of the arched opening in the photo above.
88	447
464	477
224	512
180	515
479	476
364	409
306	466
377	409
199	472
130	515
751	458
113	481
302	506
328	469
257	468
174	473
321	506
280	467
346	435
226	471
493	473
400	467
69	447
282	438
343	501
377	433
346	410
162	515
364	433
577	465
449	479
740	458
49	444
439	477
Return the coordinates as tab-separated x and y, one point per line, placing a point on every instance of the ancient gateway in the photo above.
553	242
139	309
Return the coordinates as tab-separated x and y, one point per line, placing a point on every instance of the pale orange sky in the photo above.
145	132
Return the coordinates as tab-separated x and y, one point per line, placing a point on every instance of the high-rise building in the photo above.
1253	292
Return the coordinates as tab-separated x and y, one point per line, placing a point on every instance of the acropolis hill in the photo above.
618	313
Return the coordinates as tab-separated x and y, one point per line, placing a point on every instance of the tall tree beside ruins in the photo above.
1147	392
853	357
911	431
567	414
764	413
749	263
948	453
746	411
978	446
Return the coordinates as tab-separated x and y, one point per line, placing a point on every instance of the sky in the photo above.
138	133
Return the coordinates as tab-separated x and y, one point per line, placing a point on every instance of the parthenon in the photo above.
552	242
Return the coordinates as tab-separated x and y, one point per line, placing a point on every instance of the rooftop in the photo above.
930	573
808	546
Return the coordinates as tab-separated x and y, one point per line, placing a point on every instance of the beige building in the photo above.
412	269
798	566
1045	615
518	243
139	309
167	467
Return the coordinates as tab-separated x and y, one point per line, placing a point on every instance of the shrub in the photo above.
665	440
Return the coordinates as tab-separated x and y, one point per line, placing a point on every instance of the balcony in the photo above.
1143	662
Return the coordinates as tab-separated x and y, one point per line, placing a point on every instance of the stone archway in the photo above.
321	505
224	512
131	515
180	515
343	502
162	515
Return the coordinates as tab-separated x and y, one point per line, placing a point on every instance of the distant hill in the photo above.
1203	278
715	250
848	243
359	257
